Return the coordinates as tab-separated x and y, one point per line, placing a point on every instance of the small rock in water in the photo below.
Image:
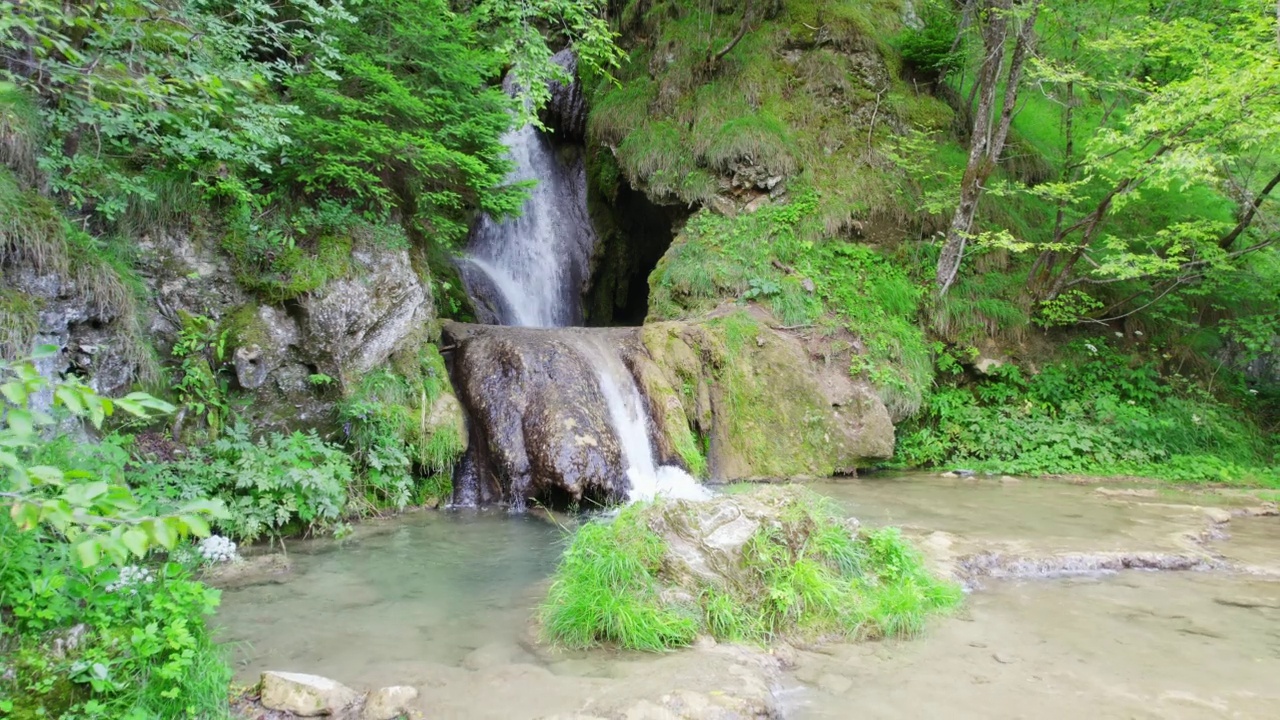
305	695
1009	480
949	474
963	473
1217	515
388	703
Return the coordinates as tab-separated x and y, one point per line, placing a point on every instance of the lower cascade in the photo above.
646	478
557	419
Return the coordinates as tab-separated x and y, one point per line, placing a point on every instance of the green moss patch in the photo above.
767	257
779	562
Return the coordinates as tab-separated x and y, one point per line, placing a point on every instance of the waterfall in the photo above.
529	270
630	422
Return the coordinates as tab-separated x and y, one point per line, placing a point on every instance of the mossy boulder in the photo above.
771	564
752	401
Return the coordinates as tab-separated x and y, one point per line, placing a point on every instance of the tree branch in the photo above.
742	31
1247	219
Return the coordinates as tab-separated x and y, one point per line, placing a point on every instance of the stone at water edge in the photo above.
305	695
1217	515
388	703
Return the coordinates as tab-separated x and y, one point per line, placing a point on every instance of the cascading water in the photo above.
529	270
630	421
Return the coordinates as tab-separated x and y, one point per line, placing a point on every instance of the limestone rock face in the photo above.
567	109
305	695
354	324
540	425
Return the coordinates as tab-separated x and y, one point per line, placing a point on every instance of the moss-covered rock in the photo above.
752	402
775	563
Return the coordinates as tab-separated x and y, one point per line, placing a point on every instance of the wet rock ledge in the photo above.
729	398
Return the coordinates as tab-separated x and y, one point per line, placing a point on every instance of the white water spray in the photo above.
631	424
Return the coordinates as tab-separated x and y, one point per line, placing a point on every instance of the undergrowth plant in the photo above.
394	422
806	572
276	485
91	625
1096	411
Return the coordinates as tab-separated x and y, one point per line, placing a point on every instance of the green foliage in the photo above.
392	423
277	485
201	388
409	121
19	320
1095	412
97	516
135	640
806	574
931	49
606	590
183	89
132	642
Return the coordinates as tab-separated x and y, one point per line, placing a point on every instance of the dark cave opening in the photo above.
635	233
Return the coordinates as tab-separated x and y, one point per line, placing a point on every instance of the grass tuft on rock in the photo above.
755	567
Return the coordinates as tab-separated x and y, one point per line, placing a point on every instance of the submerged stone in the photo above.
388	703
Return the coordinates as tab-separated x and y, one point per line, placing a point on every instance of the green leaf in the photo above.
44	351
25	515
162	532
136	540
20	422
197	525
15	392
89	552
46	475
71	399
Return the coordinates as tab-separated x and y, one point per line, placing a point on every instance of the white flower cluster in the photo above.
131	578
1092	348
217	549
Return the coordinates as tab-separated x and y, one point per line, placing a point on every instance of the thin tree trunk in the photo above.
987	142
994	36
742	32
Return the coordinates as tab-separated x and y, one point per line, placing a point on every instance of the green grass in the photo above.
606	590
806	575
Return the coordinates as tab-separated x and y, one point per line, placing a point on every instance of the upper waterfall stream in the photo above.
530	271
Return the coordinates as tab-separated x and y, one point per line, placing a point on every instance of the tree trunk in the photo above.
988	138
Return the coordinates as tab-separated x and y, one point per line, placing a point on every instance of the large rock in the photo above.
353	324
758	401
566	112
540	423
305	695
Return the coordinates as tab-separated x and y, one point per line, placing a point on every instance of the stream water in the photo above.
443	601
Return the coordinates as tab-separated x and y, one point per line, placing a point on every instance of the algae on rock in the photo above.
752	402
